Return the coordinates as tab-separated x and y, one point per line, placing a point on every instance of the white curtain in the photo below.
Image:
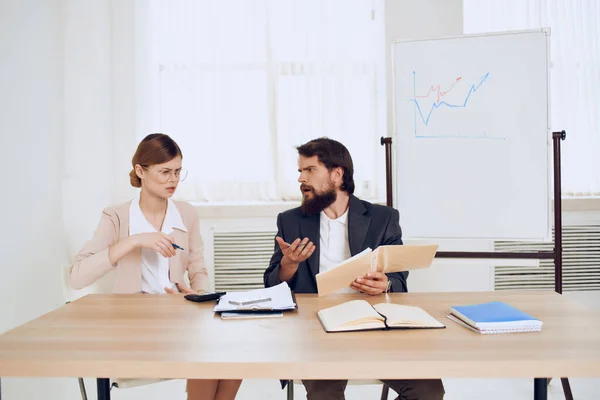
575	74
239	83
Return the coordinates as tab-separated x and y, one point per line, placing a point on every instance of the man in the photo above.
329	227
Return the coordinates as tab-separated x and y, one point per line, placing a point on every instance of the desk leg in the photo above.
103	385
566	388
540	389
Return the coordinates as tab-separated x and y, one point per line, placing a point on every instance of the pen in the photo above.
177	247
246	303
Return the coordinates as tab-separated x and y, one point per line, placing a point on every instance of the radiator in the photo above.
581	262
241	258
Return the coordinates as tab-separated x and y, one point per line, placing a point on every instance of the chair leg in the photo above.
82	389
290	390
385	391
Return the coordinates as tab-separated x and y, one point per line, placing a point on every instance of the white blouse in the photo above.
155	267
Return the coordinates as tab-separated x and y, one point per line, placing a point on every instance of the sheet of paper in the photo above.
342	275
400	258
245	315
354	257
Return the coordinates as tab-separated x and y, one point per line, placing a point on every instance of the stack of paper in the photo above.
276	298
494	317
250	315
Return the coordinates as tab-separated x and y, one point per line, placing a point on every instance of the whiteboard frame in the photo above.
549	156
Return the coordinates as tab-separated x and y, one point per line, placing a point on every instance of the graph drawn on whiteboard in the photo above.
437	99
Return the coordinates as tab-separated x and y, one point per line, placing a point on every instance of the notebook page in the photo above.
350	314
400	315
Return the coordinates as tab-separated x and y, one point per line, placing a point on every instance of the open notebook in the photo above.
359	315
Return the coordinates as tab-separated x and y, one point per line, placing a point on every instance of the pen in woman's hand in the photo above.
177	247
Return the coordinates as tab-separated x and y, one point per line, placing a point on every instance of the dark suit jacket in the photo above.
369	225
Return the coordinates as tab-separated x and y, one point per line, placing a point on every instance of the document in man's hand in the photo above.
359	315
276	298
390	258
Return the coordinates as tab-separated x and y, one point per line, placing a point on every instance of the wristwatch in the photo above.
388	289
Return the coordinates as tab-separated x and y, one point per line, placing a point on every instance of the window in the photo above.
575	76
239	83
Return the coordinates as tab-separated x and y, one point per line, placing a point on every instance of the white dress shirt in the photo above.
155	267
334	246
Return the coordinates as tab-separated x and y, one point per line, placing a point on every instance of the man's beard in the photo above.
318	202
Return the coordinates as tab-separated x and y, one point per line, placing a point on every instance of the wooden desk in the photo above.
146	336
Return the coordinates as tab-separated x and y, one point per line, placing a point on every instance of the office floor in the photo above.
456	389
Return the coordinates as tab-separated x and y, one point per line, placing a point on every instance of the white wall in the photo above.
31	129
31	126
99	98
99	111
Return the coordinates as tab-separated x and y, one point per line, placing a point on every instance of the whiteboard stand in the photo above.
555	255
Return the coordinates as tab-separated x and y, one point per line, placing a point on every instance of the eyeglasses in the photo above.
167	175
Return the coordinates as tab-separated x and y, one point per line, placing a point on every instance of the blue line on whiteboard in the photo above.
436	105
439	103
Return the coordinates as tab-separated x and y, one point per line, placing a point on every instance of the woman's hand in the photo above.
157	241
182	289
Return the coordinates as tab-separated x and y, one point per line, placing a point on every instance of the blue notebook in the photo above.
495	317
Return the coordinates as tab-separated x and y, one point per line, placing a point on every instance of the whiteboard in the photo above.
472	136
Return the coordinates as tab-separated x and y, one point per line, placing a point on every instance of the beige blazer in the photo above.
92	262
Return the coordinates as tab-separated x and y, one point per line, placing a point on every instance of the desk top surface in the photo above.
160	336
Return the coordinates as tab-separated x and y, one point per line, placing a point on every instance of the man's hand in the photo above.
296	252
293	255
372	283
182	289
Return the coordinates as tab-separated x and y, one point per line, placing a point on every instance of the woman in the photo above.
137	240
